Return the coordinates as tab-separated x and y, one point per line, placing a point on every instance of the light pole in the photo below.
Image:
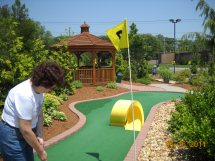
174	21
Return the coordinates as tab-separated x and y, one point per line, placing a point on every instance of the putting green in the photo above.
97	140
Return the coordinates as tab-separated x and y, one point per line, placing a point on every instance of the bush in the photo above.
182	76
199	79
112	85
126	75
193	120
144	81
142	68
57	115
51	109
150	67
47	120
99	88
63	96
77	84
165	73
193	68
50	104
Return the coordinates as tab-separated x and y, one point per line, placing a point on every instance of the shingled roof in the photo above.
86	41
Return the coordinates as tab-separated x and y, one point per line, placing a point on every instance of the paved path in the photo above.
140	88
169	87
154	87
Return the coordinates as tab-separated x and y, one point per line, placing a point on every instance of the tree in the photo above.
169	44
161	43
133	31
26	28
136	47
19	11
29	29
209	25
194	39
4	11
150	46
194	43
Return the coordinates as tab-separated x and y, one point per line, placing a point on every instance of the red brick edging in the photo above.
142	134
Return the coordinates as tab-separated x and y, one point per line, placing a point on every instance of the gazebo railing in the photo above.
102	75
84	75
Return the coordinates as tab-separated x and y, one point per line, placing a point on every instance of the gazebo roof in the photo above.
86	42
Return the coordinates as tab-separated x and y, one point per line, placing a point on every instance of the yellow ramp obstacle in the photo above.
121	115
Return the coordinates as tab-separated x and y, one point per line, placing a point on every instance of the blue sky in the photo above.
150	16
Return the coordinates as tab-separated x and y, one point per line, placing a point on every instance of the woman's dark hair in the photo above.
47	74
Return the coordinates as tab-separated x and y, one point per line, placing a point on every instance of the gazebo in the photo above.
99	50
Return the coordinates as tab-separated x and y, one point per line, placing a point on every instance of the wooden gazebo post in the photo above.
94	67
78	59
113	64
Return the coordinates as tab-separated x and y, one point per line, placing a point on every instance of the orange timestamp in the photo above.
184	144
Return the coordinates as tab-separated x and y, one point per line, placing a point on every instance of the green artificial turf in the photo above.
97	140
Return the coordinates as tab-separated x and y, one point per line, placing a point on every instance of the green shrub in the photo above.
182	76
165	73
150	67
57	115
193	120
144	80
142	68
121	64
47	120
63	96
112	85
71	90
51	103
193	68
199	79
126	75
51	106
77	84
99	88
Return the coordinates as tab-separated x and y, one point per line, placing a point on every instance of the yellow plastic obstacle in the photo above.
121	115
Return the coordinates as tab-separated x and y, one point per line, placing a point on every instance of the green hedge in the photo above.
194	121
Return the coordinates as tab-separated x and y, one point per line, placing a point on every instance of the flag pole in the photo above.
132	104
119	38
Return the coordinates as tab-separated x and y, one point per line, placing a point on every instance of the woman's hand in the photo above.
43	156
41	141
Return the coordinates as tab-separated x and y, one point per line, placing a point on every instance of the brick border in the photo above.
142	134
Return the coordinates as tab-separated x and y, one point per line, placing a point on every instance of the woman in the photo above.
22	117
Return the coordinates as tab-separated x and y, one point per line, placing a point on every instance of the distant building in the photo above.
182	58
166	58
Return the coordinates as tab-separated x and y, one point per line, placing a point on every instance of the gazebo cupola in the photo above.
85	27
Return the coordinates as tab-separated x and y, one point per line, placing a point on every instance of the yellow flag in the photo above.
119	35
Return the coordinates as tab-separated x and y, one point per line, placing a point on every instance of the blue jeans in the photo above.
13	146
